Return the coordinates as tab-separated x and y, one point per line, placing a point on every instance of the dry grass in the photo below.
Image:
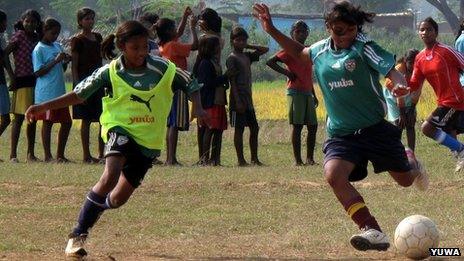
271	102
199	213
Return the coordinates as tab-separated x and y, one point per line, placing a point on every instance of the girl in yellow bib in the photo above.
138	96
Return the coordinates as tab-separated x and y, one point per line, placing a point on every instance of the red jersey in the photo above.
440	66
302	70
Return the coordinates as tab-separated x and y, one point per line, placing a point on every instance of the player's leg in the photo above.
296	143
337	172
311	144
207	138
63	135
252	122
46	139
436	127
94	205
200	135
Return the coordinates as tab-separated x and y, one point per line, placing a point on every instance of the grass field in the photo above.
273	212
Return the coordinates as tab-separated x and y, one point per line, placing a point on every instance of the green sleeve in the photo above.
99	79
185	82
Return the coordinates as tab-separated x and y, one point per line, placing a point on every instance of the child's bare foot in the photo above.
257	163
156	161
91	160
172	163
62	160
298	163
14	160
101	160
32	158
48	159
243	164
311	162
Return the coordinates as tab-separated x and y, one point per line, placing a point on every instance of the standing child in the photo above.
209	73
302	101
28	31
441	66
402	111
210	24
86	58
4	95
139	90
149	20
242	111
177	52
347	66
49	63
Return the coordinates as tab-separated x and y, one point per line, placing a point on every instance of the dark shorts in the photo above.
410	117
447	119
137	164
242	120
90	109
380	144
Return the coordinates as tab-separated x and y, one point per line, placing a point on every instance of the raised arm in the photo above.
183	21
294	48
193	30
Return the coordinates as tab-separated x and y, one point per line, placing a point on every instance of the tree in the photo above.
378	6
446	9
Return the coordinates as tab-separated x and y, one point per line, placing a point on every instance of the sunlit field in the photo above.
271	102
274	212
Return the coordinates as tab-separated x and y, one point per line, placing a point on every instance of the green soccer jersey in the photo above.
349	80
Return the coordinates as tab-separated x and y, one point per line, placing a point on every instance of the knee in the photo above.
405	182
427	129
117	202
333	179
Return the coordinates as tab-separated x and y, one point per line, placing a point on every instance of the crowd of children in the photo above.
140	100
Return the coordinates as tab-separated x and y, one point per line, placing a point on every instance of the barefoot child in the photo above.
302	101
86	58
50	61
242	111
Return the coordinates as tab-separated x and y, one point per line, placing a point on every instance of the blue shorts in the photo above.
380	144
179	115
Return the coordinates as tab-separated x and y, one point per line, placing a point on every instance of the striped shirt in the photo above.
349	80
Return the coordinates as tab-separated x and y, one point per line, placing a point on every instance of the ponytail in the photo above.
124	33
108	46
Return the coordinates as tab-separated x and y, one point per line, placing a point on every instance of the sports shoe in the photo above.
460	162
370	239
422	179
75	247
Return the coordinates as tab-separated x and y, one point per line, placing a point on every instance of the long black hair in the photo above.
206	50
348	13
124	32
163	28
30	13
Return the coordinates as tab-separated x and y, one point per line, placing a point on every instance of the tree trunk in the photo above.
451	18
461	10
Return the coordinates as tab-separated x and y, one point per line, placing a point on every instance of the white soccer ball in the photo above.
414	236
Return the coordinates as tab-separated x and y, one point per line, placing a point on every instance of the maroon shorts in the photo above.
56	116
217	117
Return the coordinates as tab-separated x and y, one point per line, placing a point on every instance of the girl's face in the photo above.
51	34
342	34
135	51
300	34
239	43
427	33
30	24
88	21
